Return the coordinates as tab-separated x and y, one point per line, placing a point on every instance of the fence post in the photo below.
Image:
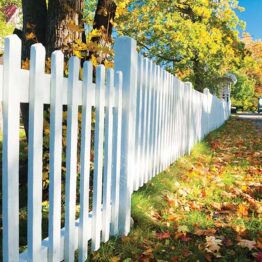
206	92
10	171
126	61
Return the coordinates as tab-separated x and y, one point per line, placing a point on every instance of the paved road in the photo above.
256	118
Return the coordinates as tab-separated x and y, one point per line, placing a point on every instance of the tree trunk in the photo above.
34	27
64	25
104	16
34	24
198	81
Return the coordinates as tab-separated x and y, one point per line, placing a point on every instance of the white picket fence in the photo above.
145	119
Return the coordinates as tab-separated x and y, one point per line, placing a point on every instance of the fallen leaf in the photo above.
216	205
259	243
258	257
242	210
205	232
213	245
164	235
183	229
115	259
247	243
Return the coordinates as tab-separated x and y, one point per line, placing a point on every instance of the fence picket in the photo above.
144	119
56	109
139	119
35	143
126	61
106	216
84	226
98	165
116	155
71	158
10	184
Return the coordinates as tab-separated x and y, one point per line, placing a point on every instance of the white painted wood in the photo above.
126	61
84	224
10	171
35	143
162	119
56	110
161	122
152	128
98	165
165	116
149	121
139	118
157	137
106	216
116	153
71	159
144	117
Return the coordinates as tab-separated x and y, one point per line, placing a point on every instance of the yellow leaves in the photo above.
109	64
242	210
95	33
94	60
73	27
115	259
77	53
30	36
121	8
26	64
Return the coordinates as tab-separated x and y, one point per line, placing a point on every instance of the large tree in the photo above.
60	25
195	39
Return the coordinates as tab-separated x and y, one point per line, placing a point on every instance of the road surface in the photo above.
256	118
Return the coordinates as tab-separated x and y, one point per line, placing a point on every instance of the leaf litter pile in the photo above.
205	207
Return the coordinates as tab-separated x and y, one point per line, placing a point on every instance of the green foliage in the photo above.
196	40
243	93
6	28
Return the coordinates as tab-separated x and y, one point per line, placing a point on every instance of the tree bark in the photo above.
64	24
104	16
34	27
34	24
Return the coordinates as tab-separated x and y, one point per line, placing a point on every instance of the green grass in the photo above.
196	193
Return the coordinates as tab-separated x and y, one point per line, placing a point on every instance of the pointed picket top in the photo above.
34	228
84	226
10	168
98	161
71	158
57	73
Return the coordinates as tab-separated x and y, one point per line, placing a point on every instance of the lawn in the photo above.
205	207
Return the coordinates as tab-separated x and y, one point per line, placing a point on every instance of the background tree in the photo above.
197	40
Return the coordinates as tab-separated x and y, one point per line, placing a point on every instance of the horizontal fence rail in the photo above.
135	121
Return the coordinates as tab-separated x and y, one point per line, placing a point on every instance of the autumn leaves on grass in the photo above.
206	207
224	188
